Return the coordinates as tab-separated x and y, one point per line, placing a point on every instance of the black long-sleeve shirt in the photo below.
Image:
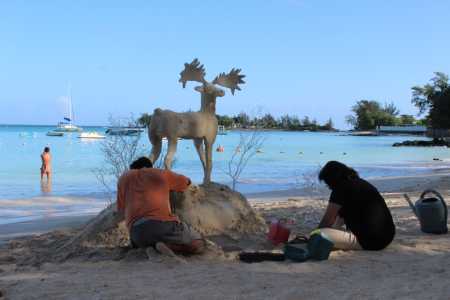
365	213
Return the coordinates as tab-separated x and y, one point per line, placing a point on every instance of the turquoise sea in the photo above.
286	159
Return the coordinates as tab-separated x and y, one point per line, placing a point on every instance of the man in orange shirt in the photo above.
143	198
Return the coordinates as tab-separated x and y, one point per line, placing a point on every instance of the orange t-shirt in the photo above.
144	193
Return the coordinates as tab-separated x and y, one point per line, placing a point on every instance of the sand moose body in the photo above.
200	126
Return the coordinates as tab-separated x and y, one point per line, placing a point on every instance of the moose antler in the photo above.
230	80
192	72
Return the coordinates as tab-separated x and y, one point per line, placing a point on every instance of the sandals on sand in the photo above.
299	239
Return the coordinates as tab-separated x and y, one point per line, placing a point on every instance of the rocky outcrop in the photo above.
420	143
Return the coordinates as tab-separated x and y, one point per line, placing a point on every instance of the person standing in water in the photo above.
46	167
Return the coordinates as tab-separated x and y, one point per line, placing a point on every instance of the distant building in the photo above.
439	133
406	129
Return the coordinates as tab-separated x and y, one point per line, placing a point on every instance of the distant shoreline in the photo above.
229	129
350	132
46	125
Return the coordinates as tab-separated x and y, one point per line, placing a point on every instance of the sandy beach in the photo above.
414	266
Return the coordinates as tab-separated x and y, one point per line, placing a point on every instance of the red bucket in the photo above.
278	232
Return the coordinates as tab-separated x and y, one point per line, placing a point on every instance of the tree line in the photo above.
432	100
285	122
244	121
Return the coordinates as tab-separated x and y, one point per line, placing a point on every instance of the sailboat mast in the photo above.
69	98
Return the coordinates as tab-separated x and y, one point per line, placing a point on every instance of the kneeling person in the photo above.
143	197
360	206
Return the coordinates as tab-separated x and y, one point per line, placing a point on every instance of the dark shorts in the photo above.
146	233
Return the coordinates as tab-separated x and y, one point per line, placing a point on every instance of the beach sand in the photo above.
414	266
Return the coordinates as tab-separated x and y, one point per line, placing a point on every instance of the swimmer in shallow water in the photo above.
46	167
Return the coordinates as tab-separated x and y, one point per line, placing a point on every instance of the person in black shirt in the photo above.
360	206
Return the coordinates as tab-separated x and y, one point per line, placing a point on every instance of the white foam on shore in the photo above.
18	210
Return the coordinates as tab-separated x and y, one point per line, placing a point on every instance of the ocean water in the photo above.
287	159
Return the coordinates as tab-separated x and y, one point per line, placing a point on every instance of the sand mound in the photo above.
215	209
220	214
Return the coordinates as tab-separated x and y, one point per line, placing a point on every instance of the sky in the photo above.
311	58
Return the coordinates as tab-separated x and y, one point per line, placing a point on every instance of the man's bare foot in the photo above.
151	253
166	251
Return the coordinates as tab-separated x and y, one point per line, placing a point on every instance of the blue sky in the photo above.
304	57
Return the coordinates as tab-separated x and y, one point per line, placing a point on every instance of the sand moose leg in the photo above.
156	148
208	150
201	153
171	149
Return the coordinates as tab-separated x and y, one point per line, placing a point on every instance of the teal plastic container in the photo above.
296	252
319	247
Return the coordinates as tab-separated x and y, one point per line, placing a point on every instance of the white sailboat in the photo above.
91	135
67	125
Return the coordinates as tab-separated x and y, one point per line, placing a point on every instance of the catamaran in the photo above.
67	125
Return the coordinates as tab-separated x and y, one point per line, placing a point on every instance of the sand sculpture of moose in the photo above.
199	126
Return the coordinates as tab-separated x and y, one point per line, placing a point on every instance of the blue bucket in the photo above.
319	247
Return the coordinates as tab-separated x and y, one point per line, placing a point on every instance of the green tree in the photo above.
306	122
268	121
434	98
423	122
368	114
285	122
406	120
225	121
391	109
328	125
294	123
144	119
243	119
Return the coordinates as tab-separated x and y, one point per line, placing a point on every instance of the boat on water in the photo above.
67	125
165	139
221	130
131	131
55	133
91	135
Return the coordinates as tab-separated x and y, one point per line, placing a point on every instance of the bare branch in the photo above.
118	153
246	149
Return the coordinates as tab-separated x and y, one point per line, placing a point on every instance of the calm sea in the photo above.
287	158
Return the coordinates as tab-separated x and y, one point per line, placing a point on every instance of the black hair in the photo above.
335	173
141	162
47	149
